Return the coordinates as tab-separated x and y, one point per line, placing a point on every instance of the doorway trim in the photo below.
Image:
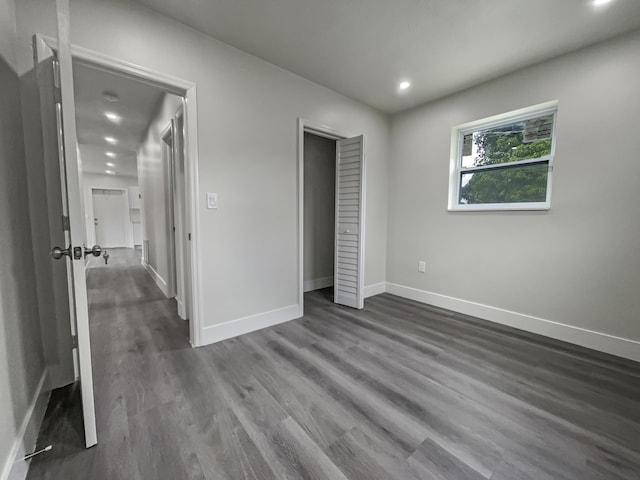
309	126
186	90
167	138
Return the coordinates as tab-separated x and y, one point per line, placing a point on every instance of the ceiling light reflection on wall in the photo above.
111	164
111	140
404	85
599	3
114	117
111	154
110	172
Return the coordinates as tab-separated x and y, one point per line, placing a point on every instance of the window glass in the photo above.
513	142
513	184
504	162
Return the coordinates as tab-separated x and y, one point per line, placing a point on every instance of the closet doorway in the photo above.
331	200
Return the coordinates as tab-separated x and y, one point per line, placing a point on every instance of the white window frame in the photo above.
456	170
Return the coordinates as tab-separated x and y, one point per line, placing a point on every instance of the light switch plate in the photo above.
212	200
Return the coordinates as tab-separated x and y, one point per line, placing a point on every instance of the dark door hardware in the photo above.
57	253
76	252
96	251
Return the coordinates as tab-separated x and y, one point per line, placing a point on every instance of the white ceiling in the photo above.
363	48
136	106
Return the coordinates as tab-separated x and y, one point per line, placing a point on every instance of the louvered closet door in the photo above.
349	253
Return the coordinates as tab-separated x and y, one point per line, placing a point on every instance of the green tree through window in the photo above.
507	183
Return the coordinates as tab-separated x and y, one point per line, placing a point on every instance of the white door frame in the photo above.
187	90
170	213
309	126
180	235
89	210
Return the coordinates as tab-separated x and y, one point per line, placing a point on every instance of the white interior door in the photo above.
58	126
348	282
109	216
181	236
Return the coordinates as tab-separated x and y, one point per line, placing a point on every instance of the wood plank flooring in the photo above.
398	390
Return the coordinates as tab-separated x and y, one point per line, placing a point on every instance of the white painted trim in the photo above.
182	311
15	467
168	164
240	326
375	289
363	222
169	83
160	282
188	91
318	283
603	342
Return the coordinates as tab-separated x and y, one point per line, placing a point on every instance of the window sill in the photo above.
501	207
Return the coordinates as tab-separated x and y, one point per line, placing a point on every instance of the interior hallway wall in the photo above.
319	211
578	263
154	187
247	114
21	358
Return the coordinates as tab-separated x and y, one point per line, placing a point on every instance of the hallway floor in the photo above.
399	390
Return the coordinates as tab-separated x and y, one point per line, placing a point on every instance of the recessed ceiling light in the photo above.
599	3
111	164
114	117
110	172
111	140
110	96
110	154
404	85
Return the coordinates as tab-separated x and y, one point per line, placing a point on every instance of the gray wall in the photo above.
21	358
577	264
154	187
247	113
319	206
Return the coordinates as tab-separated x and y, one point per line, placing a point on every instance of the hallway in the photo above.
135	335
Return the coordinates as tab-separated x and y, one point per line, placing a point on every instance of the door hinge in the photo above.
66	223
74	341
56	82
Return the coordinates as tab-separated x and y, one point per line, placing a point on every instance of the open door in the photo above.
66	218
348	284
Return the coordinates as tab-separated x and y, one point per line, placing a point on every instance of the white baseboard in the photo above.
240	326
15	467
375	289
160	282
182	311
621	347
318	283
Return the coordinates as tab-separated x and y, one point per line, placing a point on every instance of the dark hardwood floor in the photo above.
398	390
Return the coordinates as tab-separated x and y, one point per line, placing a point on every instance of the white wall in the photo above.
577	264
21	358
319	210
247	113
154	188
96	180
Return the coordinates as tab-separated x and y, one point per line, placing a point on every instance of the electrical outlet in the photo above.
422	267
